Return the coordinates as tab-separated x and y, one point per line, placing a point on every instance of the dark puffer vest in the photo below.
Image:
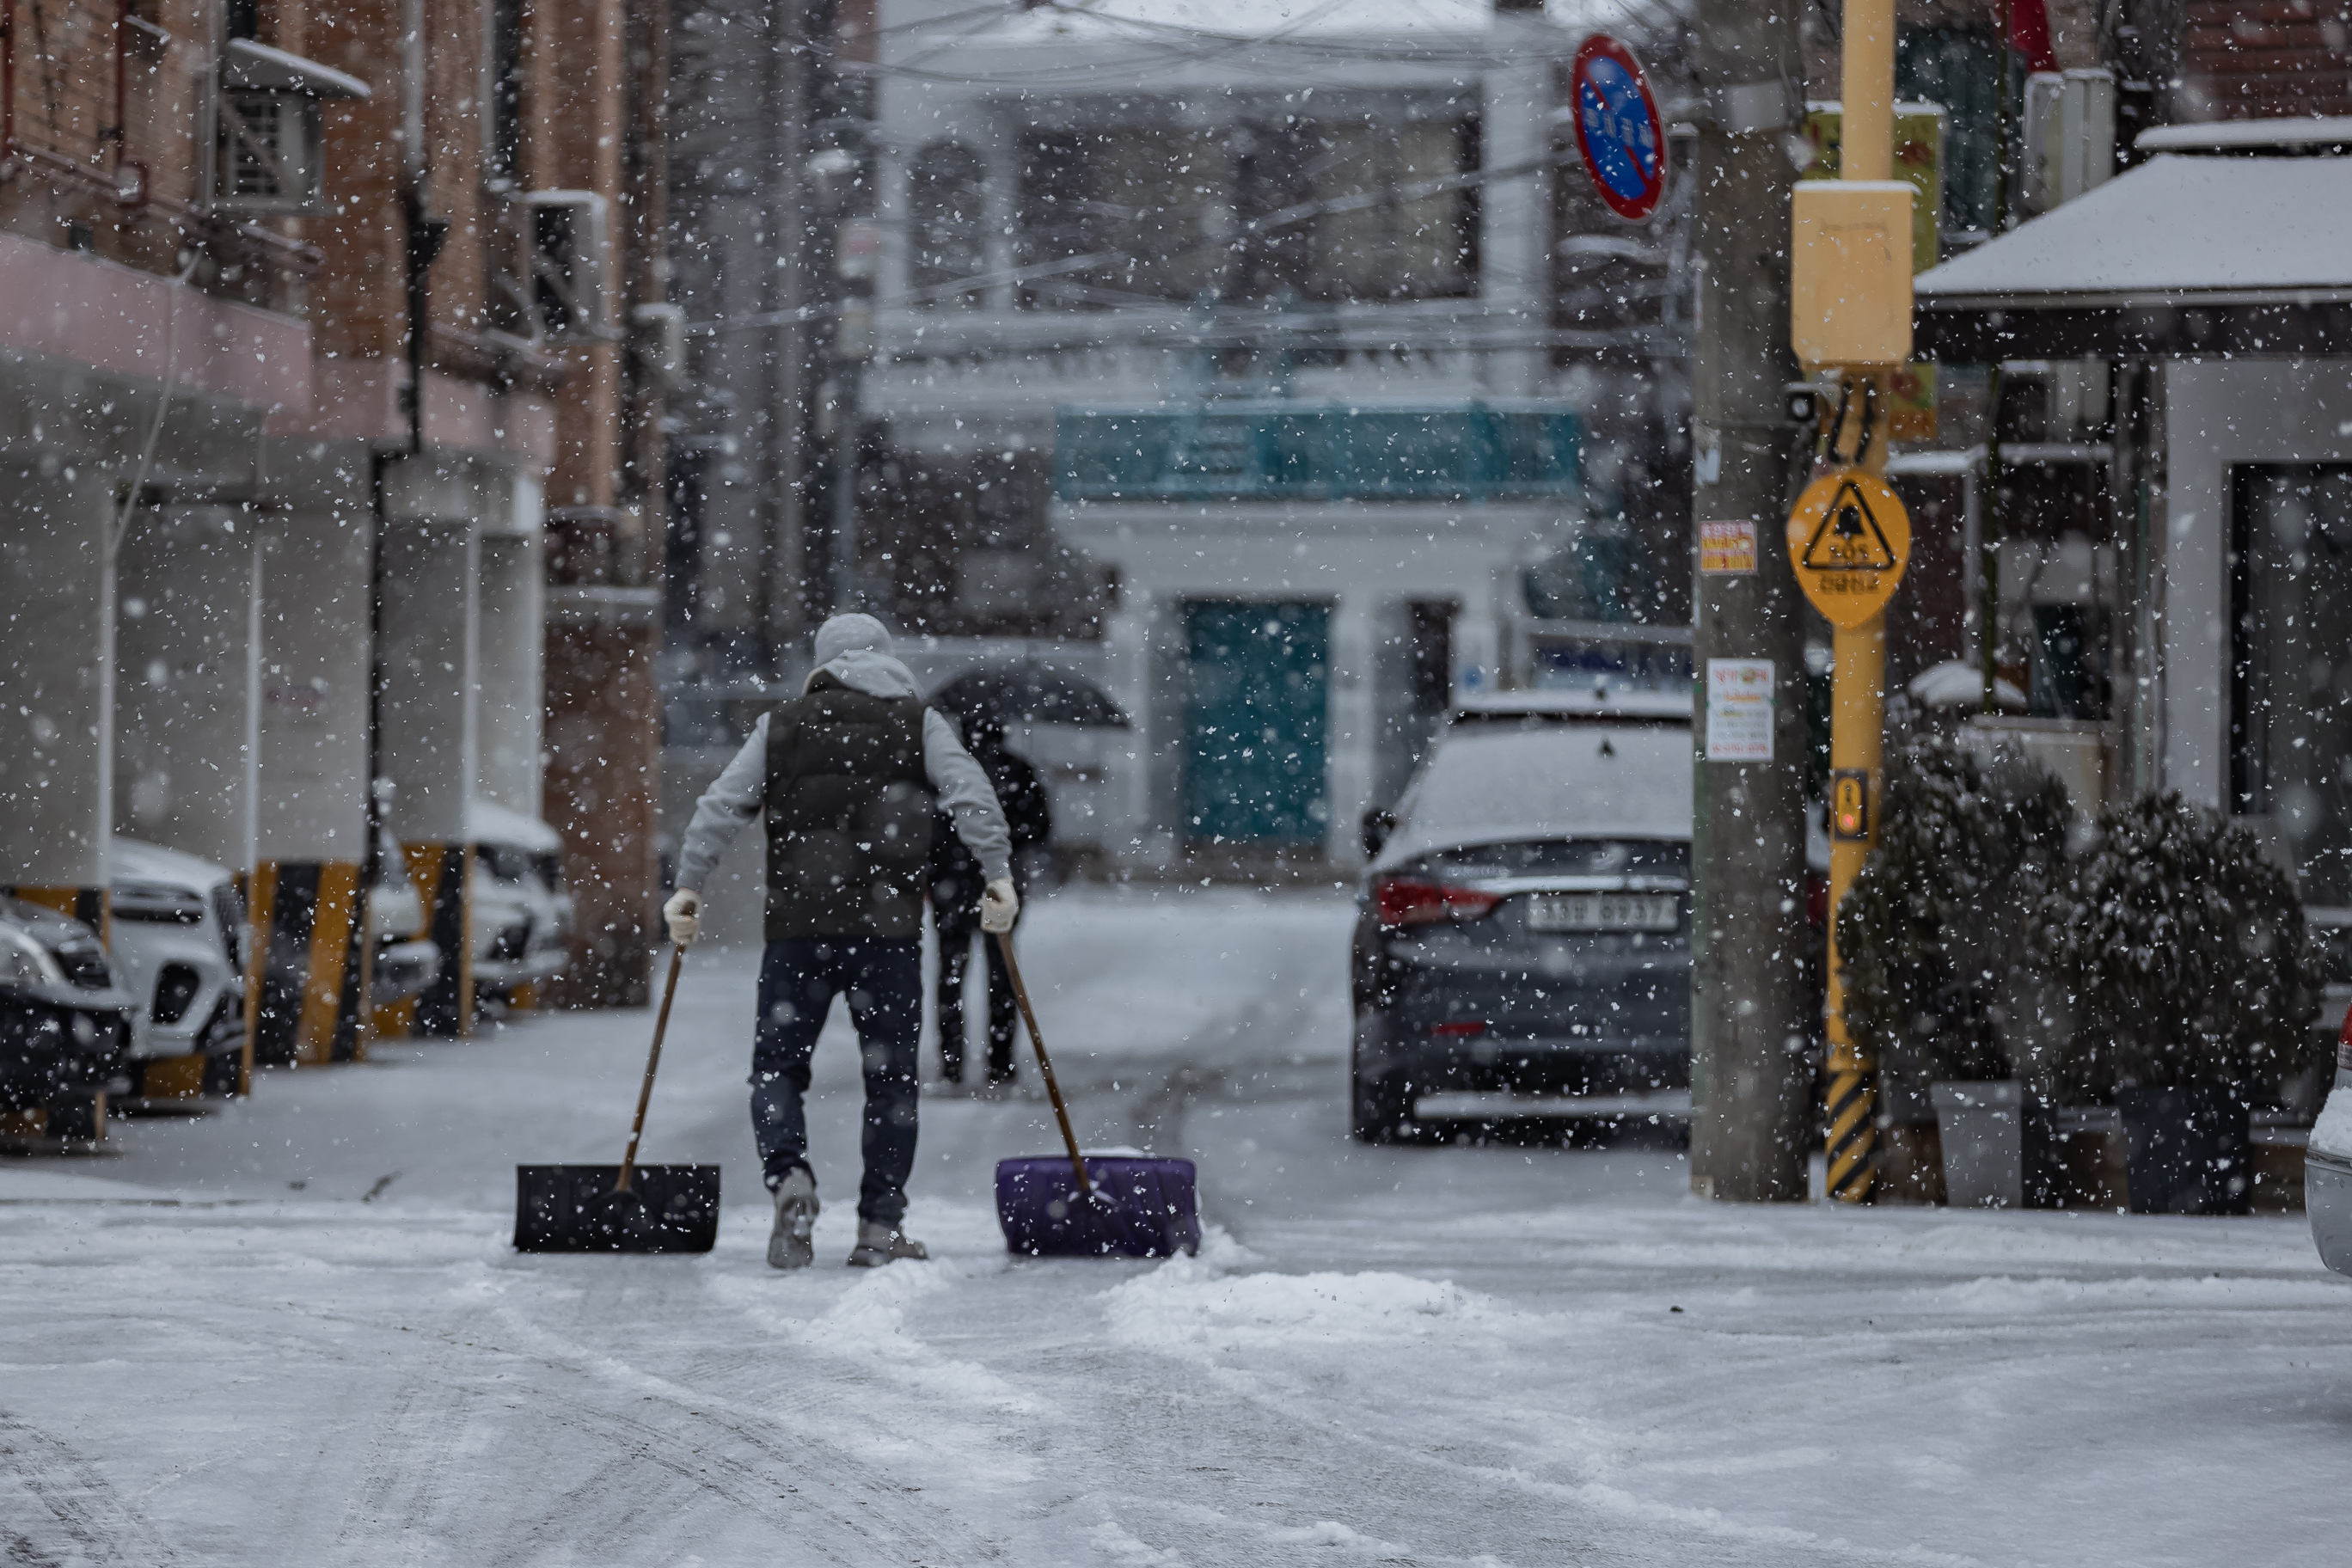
849	815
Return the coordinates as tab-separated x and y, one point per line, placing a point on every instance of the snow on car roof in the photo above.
1488	784
135	860
487	822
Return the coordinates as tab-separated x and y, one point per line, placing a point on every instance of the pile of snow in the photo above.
1189	1305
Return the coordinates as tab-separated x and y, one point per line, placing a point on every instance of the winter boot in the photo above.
789	1245
881	1244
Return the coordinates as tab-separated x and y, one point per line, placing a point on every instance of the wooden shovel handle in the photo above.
652	1060
1045	1063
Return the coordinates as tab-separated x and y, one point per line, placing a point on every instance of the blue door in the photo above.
1254	722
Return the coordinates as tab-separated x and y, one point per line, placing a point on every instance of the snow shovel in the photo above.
626	1207
1113	1206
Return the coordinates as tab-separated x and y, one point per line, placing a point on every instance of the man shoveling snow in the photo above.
847	773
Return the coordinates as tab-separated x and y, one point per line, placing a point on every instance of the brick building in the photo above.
225	520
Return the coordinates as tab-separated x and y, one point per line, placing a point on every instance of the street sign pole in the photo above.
1752	1078
1849	309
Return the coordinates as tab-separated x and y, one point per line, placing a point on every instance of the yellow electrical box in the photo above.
1850	272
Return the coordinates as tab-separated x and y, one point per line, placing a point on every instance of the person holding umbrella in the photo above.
959	891
848	775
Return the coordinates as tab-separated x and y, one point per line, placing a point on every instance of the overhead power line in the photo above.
1286	217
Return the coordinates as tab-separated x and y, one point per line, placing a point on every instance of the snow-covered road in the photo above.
294	1333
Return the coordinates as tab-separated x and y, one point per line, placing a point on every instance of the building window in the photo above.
1959	67
1324	211
946	218
502	150
2291	666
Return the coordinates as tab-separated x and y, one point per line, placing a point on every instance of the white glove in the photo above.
684	912
1000	905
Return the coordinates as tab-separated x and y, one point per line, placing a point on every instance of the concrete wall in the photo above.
1363	560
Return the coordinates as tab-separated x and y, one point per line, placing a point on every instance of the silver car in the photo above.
522	915
178	941
2328	1165
406	962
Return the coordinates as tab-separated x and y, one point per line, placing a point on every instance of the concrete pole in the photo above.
513	641
427	721
57	684
1515	216
187	579
302	998
182	770
1751	1087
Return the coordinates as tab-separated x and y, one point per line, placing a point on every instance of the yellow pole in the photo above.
1858	681
1866	134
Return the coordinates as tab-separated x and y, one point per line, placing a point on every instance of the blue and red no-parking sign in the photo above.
1618	128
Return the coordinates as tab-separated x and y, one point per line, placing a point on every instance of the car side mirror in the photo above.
1379	822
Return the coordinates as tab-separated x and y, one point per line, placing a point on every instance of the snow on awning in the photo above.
2180	256
259	68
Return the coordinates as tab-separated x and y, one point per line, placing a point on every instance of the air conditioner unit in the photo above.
2069	137
271	163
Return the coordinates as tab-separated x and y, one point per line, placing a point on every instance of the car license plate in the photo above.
1604	911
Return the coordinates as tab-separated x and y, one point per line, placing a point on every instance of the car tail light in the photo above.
1466	1030
2343	1044
1406	903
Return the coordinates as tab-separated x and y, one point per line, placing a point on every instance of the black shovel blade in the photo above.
574	1209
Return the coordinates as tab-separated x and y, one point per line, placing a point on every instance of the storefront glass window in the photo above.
2291	686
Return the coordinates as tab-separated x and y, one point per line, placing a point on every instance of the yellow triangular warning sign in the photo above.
1848	538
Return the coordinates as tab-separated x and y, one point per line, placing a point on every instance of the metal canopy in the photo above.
2182	256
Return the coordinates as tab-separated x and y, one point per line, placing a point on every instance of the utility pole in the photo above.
1750	1080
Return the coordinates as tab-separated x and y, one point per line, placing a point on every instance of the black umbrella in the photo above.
1026	694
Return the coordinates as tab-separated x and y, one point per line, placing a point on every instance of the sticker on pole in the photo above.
1848	540
1739	711
1618	129
1726	548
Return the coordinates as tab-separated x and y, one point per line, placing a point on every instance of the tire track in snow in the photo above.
841	1509
403	1485
88	1523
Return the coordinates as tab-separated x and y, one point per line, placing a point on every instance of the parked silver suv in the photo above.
178	944
522	915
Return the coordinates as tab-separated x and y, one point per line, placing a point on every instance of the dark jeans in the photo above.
957	927
799	978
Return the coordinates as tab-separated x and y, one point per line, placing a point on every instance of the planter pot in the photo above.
1997	1148
2187	1150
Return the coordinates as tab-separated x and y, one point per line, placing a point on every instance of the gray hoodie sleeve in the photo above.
965	795
733	799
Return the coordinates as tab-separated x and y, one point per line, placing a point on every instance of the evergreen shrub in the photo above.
2186	954
1939	939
